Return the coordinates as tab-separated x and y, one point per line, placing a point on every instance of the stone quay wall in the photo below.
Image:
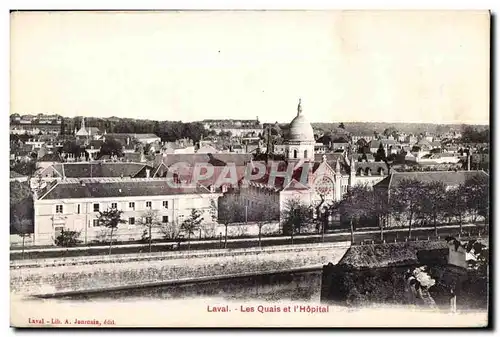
80	274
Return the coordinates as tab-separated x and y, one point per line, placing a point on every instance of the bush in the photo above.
68	239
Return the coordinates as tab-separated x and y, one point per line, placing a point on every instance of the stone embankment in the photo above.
80	274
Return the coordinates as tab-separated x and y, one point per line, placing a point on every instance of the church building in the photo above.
306	177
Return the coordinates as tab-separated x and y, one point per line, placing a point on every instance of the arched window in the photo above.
295	154
305	153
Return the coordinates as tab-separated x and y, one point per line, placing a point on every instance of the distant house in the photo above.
367	137
88	131
207	149
146	138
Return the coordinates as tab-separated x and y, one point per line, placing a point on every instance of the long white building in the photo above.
74	204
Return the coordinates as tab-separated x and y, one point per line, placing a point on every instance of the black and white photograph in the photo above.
258	168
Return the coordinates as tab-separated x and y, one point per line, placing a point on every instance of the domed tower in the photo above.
300	141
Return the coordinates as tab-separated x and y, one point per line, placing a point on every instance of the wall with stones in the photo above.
101	272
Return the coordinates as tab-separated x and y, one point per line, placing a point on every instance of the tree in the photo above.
229	211
356	204
406	199
149	219
476	190
390	131
432	203
23	228
27	168
380	155
294	215
265	213
21	209
380	208
191	224
111	147
170	230
341	126
67	239
73	148
110	219
456	203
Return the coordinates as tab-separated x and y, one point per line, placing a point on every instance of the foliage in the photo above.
265	213
68	239
27	168
406	199
473	135
110	219
111	147
433	202
21	206
73	148
390	131
356	203
192	223
294	215
230	210
380	155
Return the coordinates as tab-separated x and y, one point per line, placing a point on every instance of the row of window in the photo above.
96	207
131	220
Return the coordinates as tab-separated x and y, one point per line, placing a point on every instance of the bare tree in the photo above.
149	220
170	230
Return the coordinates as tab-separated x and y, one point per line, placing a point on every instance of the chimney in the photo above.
468	161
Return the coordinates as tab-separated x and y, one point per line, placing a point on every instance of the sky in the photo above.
383	66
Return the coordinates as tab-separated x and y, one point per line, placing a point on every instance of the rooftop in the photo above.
449	178
117	188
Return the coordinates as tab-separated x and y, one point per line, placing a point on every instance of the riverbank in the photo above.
51	276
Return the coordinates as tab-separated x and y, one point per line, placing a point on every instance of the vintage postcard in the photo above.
249	169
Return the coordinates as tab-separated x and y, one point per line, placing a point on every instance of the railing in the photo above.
175	255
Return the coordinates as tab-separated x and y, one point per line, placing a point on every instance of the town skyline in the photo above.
340	68
92	117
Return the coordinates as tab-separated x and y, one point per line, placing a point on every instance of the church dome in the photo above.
300	129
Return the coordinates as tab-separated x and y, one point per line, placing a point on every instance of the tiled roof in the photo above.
100	169
449	178
51	157
373	167
330	157
215	159
117	189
